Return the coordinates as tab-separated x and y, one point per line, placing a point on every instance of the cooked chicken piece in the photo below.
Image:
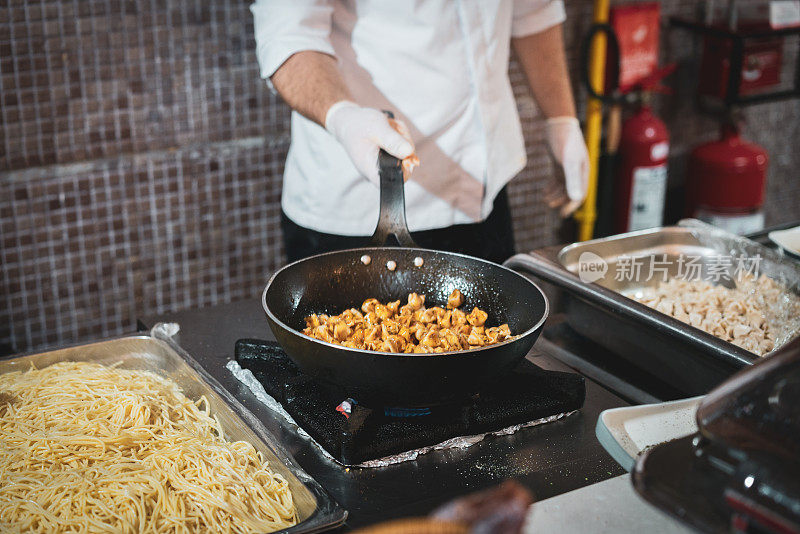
477	317
420	331
312	321
415	301
393	306
358	337
475	339
373	334
369	305
372	318
352	316
497	334
450	339
341	331
321	332
444	320
458	318
383	312
390	327
394	344
431	339
455	300
440	313
428	316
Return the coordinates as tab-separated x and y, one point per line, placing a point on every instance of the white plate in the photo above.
625	432
788	240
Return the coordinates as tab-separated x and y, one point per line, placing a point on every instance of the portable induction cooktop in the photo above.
353	433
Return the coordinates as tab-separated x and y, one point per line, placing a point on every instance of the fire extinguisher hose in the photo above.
587	213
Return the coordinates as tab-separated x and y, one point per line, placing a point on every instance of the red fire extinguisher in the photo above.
726	182
641	181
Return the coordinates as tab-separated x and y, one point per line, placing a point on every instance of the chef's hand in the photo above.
364	131
569	150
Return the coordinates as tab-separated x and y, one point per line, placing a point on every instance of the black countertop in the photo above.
550	459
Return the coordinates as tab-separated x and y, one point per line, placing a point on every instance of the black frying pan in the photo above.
333	282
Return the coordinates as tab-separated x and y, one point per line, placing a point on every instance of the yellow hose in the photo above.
587	213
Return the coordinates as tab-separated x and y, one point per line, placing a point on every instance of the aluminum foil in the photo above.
462	442
246	377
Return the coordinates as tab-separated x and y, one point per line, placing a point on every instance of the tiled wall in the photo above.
141	160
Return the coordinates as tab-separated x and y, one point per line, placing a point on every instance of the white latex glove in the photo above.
363	132
569	149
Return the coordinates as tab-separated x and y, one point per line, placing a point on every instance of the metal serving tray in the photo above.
316	510
685	357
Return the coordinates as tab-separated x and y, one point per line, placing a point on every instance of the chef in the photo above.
441	66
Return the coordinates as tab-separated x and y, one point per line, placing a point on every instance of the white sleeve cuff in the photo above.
535	19
272	55
286	27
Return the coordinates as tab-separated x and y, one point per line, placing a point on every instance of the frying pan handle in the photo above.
392	217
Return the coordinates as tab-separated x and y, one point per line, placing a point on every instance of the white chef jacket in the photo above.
441	66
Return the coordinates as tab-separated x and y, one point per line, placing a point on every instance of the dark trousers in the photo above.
492	239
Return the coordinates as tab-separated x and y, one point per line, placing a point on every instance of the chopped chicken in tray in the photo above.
408	328
758	315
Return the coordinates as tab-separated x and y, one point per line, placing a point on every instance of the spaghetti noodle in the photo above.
90	448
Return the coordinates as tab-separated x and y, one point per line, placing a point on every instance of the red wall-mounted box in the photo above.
761	66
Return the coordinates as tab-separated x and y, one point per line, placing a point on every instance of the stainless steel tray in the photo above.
685	357
315	509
